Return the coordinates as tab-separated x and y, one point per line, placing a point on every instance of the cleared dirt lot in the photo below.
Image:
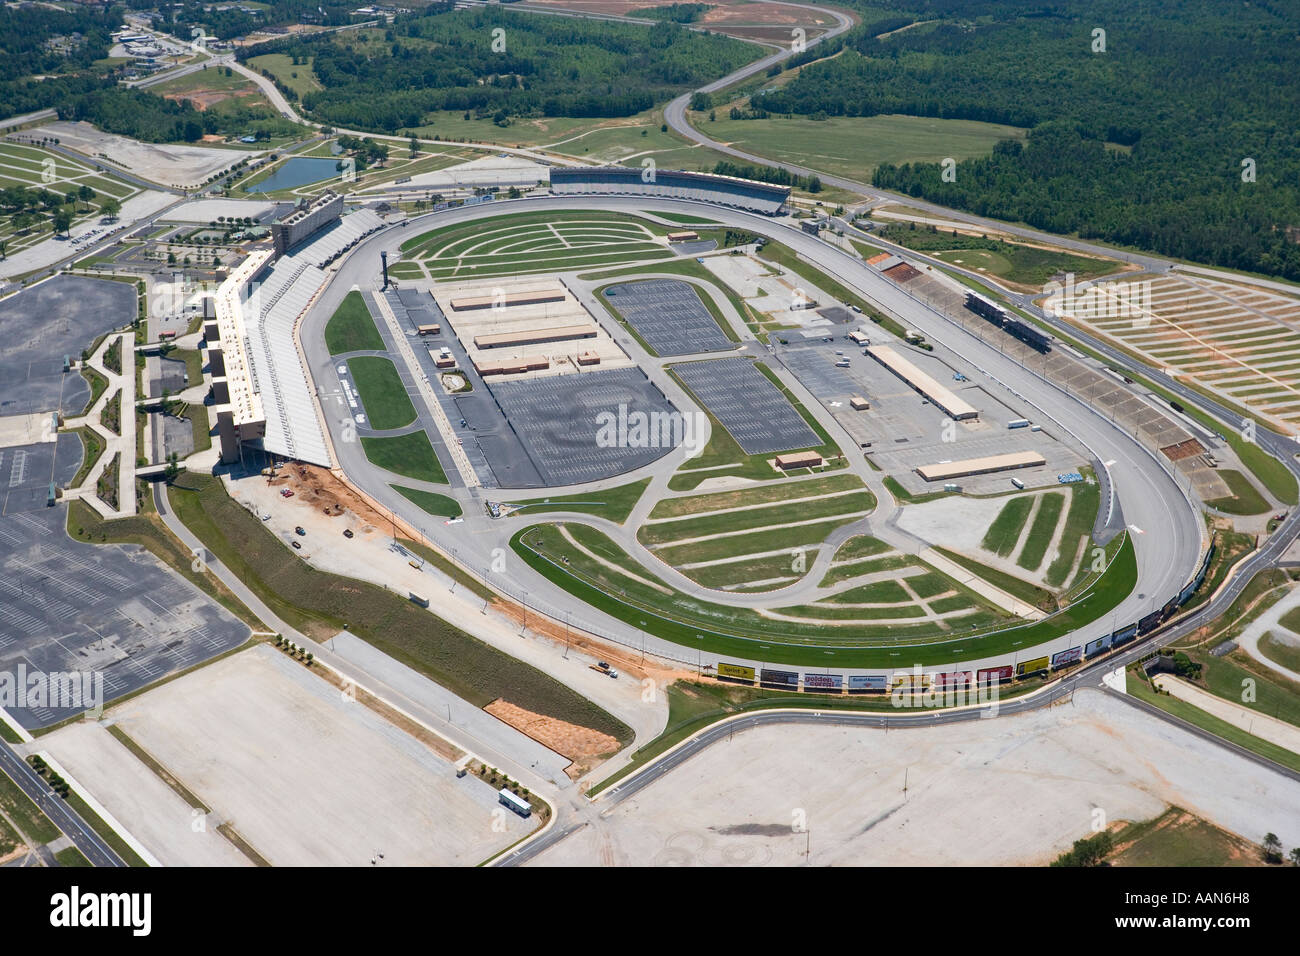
1008	791
169	165
309	778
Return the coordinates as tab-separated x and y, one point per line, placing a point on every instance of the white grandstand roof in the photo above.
293	426
345	234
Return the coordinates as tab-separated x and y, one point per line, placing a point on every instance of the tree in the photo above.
1295	856
110	207
86	195
62	221
1272	848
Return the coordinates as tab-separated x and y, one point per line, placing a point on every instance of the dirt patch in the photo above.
584	746
203	99
326	493
17	853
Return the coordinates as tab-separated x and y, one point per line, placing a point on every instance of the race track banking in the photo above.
1164	523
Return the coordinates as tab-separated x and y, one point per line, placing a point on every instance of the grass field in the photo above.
1280	651
410	455
299	78
1245	498
1004	533
592	571
852	146
1014	262
1085	499
535	242
434	504
351	328
382	392
612	503
19	808
1177	838
322	603
38	168
1041	531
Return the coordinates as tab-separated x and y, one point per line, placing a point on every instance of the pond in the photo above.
300	171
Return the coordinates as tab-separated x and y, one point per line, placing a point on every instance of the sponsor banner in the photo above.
991	675
1097	646
769	678
823	681
735	671
1123	635
954	679
1030	667
915	681
1062	658
868	682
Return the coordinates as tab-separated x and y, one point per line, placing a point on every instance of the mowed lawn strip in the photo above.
750	518
320	604
351	328
1085	498
1041	532
612	503
1004	532
1280	652
1245	498
766	494
382	392
756	543
431	502
409	455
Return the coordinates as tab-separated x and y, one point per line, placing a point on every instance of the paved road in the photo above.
90	843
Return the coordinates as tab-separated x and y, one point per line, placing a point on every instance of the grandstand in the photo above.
670	184
337	239
264	401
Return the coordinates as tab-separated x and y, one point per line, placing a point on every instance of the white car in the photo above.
266	516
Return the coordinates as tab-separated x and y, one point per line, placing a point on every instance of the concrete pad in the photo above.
206	210
153	812
1002	792
1260	725
180	166
310	778
27	429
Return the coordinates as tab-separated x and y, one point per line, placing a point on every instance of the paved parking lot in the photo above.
748	405
555	419
43	324
72	607
669	316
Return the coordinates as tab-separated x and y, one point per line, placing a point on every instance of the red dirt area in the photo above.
203	99
725	14
582	745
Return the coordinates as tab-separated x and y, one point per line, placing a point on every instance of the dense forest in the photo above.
535	66
228	21
1142	144
47	60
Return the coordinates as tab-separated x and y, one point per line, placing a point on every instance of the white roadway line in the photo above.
422	383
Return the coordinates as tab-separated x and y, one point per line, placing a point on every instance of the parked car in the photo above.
286	492
266	516
347	532
297	545
300	531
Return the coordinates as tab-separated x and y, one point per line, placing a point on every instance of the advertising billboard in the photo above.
735	672
990	675
868	682
823	681
954	679
1061	658
786	680
914	681
1097	646
1030	667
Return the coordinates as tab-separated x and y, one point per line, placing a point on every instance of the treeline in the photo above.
1143	144
768	174
674	12
228	21
503	64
